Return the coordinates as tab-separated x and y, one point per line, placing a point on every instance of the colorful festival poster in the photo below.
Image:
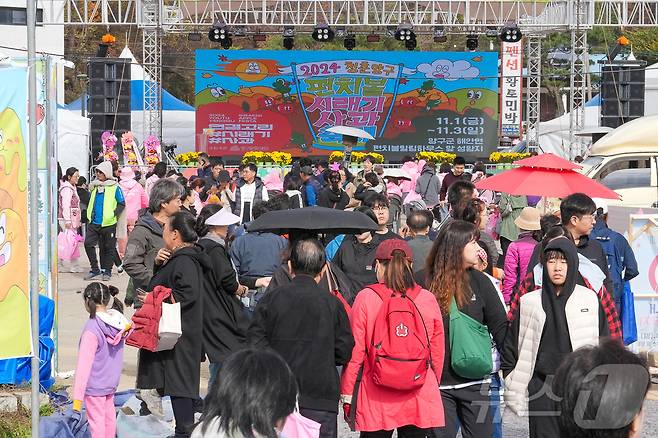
286	100
15	337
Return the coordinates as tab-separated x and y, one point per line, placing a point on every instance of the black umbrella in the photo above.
316	219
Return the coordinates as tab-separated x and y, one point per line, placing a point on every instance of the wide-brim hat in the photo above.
529	219
222	217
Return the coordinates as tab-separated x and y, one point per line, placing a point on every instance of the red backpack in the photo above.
400	349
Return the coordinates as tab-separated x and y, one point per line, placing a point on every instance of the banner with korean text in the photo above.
286	100
511	111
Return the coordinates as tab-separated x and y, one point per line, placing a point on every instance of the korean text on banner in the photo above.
511	113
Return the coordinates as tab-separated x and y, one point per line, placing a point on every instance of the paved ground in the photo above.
72	316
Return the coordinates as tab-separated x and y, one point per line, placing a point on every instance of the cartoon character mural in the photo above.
15	339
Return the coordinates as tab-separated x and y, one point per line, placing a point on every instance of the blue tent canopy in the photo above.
169	101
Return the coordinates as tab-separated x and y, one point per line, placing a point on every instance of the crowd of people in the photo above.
416	326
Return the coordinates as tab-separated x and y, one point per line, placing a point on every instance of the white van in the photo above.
626	161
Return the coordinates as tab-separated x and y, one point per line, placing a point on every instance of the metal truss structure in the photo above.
533	88
534	17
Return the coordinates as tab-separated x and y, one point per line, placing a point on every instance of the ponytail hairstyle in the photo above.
98	294
184	222
201	228
398	273
69	173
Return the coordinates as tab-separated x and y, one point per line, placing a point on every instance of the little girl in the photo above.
100	358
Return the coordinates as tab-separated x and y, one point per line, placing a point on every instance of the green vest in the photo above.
109	206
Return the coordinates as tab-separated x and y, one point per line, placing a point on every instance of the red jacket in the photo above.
379	408
147	319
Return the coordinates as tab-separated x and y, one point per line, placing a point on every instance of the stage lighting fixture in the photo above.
288	43
405	33
411	44
349	42
472	42
372	38
510	34
219	33
440	35
323	33
491	32
289	32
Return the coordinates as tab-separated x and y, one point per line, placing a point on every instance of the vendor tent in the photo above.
178	117
554	134
72	140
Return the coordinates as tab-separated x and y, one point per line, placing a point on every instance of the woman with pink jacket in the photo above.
379	407
520	251
136	199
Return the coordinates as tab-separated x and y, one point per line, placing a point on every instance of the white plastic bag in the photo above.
169	329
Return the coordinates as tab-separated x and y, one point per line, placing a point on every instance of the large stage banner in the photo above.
15	337
285	101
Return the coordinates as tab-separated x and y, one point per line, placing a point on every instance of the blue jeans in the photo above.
494	394
214	370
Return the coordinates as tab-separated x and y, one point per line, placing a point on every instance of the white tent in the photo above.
554	134
72	140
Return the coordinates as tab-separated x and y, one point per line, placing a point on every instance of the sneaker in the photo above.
92	275
106	277
153	401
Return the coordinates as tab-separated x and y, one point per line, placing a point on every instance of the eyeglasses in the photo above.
380	208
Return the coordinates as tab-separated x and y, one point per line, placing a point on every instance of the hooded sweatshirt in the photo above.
135	196
100	356
428	186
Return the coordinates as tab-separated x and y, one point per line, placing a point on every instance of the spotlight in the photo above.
511	34
472	42
323	33
288	43
219	33
410	44
289	31
350	42
372	38
440	35
404	33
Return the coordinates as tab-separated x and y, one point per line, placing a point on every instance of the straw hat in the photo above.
529	219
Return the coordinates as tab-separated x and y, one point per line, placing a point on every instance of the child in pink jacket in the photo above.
100	358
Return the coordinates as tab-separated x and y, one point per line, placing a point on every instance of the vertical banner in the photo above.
285	101
15	336
511	109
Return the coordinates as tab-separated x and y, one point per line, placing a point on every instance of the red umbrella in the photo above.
545	182
548	161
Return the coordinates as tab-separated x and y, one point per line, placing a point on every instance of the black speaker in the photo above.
108	99
622	92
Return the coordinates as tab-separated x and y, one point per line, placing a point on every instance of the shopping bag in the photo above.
628	323
298	426
169	329
68	243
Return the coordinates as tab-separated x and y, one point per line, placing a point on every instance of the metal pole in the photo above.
34	195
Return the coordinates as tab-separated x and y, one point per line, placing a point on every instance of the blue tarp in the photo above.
169	101
19	371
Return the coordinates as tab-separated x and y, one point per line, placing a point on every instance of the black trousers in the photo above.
403	432
183	408
105	239
328	421
469	408
543	407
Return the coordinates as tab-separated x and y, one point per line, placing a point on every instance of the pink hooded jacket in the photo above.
517	259
135	195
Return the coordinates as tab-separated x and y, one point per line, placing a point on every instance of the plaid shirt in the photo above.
607	303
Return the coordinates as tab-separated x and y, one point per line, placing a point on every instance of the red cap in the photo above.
386	248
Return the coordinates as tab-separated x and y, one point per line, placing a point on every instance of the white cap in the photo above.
602	204
223	217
